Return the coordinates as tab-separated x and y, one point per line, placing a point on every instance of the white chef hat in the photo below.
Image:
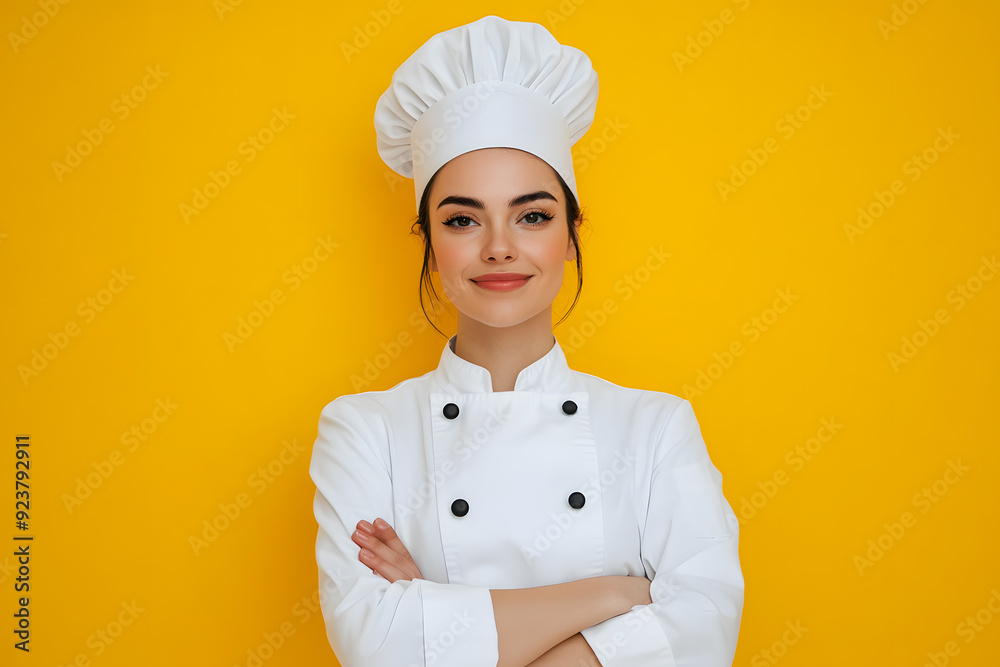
490	83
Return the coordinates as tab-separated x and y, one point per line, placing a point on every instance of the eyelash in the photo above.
458	216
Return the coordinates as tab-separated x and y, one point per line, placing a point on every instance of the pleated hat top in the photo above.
488	84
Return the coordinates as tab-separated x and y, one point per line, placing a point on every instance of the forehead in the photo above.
500	172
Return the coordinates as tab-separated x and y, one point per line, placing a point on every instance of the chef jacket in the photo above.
566	477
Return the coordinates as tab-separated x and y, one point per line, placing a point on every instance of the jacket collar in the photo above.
549	374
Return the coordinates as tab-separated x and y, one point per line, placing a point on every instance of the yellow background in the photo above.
677	131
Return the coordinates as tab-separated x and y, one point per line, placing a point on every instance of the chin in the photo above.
501	320
498	322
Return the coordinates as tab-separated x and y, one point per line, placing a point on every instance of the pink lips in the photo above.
501	282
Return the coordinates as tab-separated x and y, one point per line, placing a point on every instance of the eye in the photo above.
540	217
457	217
531	218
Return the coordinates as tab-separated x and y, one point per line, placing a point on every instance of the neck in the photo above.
504	351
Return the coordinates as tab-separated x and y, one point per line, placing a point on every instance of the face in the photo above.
499	210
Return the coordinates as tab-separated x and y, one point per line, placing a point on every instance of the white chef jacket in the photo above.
568	476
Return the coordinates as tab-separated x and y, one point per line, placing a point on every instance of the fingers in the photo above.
388	537
392	560
381	556
390	557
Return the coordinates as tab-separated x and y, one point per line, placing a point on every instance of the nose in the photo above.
499	245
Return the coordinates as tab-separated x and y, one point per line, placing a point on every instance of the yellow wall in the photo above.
839	443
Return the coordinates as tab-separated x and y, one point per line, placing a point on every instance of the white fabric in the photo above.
490	83
654	507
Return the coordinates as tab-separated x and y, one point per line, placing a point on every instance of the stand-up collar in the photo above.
548	374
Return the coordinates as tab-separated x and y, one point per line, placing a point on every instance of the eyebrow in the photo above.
472	202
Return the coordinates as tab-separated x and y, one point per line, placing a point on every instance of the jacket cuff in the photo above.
459	626
632	639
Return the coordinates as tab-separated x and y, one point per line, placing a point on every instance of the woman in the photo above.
504	509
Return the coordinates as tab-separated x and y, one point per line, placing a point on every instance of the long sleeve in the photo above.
689	548
369	621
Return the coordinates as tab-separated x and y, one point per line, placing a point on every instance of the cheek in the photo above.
552	255
451	256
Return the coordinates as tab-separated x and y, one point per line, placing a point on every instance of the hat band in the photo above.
490	114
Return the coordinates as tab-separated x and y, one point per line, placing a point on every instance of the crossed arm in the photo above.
536	627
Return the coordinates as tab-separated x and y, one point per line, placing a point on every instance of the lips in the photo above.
504	277
501	282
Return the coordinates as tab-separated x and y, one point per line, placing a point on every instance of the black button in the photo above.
569	407
576	500
459	507
451	411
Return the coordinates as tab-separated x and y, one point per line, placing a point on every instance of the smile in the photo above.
502	285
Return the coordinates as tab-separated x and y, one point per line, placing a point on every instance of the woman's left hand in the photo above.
389	557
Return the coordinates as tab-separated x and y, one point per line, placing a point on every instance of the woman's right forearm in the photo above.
530	621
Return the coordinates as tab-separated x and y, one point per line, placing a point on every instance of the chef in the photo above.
503	468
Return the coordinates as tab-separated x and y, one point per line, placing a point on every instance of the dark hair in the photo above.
422	226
